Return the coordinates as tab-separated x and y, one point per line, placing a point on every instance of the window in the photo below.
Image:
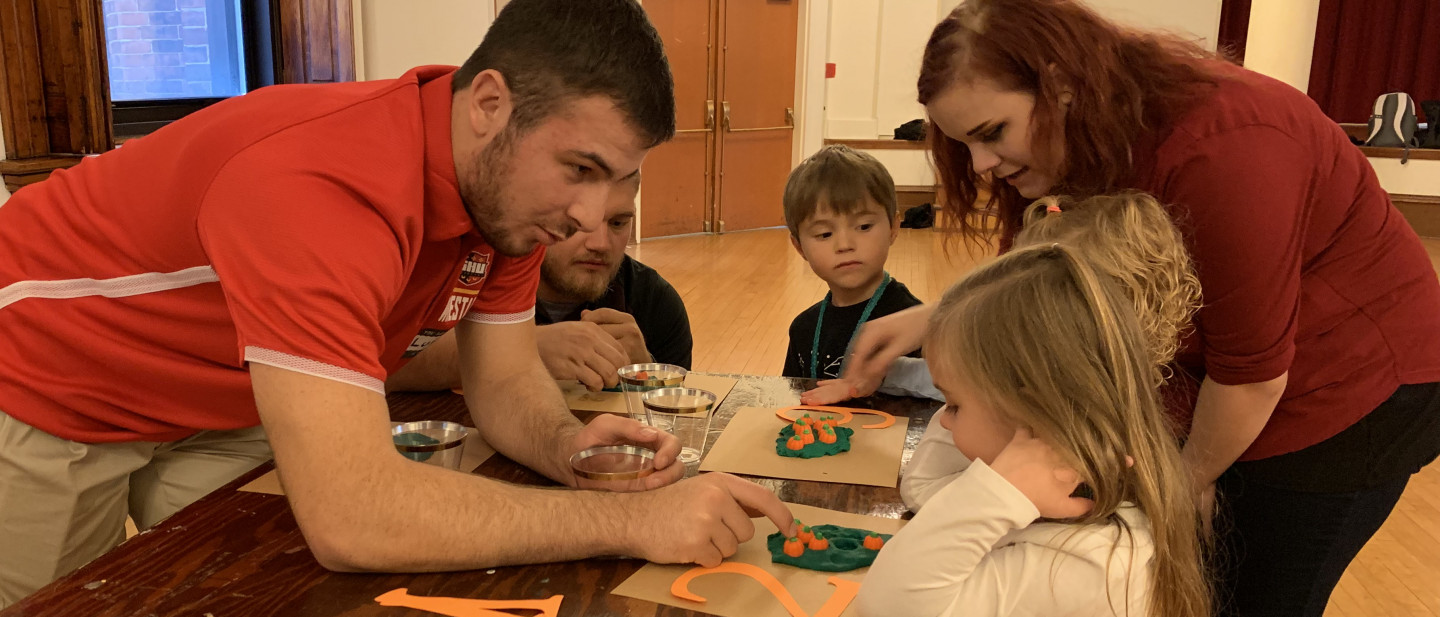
54	103
168	58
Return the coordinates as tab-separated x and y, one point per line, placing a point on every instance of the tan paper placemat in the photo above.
733	595
475	454
580	399
747	446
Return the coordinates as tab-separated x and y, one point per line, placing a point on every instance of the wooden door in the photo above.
675	187
757	109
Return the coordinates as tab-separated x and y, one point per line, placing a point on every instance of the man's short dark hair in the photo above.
552	52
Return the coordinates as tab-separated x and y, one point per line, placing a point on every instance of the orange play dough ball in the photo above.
794	547
808	436
874	542
795	443
819	543
805	535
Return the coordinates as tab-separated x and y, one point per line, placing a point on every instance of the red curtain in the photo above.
1234	28
1365	48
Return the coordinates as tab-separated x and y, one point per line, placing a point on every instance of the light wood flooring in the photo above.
742	289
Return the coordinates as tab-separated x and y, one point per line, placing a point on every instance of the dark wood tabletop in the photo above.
240	554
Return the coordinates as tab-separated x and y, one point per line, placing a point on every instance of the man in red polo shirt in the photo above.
269	260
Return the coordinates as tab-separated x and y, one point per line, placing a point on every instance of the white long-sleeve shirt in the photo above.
975	548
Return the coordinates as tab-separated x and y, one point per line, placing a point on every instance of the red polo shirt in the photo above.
1304	263
317	228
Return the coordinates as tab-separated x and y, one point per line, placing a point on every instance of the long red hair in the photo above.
1126	84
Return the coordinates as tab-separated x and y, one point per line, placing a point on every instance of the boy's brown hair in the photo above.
841	179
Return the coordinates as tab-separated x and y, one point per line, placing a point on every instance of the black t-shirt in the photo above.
840	324
639	290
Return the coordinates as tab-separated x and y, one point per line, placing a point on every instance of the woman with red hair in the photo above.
1317	348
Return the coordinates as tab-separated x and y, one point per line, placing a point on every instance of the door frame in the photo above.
812	41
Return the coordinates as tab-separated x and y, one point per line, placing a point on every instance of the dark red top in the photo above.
1304	263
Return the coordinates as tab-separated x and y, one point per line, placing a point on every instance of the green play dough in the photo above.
814	450
847	550
416	439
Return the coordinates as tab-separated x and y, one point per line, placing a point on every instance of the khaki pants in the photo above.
64	503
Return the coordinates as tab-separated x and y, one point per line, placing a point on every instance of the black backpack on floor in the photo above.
919	217
1431	137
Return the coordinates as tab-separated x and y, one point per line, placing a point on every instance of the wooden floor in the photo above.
742	290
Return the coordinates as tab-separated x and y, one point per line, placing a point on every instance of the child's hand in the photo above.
829	392
1032	466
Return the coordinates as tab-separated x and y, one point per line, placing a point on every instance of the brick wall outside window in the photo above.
161	49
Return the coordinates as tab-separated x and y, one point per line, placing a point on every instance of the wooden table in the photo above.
236	553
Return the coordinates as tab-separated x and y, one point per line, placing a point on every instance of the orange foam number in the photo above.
845	590
886	420
466	607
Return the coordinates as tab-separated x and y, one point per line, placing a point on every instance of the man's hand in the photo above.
612	430
583	351
623	328
702	520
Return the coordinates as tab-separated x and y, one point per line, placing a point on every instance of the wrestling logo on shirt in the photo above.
476	266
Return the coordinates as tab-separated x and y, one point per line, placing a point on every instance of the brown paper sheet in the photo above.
475	454
732	595
747	446
580	399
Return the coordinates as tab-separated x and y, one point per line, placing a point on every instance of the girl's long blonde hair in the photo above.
1129	237
1053	343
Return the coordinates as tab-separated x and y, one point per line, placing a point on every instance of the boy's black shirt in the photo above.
840	323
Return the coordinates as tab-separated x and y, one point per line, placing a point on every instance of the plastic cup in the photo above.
612	468
637	379
684	413
432	442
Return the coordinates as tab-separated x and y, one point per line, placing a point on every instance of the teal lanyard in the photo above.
864	316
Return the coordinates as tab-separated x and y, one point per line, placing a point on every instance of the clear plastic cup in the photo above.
612	468
432	442
684	413
637	379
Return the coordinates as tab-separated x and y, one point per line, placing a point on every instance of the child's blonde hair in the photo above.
841	179
1054	345
1130	238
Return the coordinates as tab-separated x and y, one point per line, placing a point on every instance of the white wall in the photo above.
810	78
1193	19
395	37
1281	39
1413	178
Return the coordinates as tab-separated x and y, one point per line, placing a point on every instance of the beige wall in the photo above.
1413	178
394	37
1282	39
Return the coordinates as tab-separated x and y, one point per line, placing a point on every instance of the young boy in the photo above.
840	208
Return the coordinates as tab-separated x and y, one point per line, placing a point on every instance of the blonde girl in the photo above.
1061	489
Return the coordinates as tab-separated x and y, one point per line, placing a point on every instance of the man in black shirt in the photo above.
596	309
